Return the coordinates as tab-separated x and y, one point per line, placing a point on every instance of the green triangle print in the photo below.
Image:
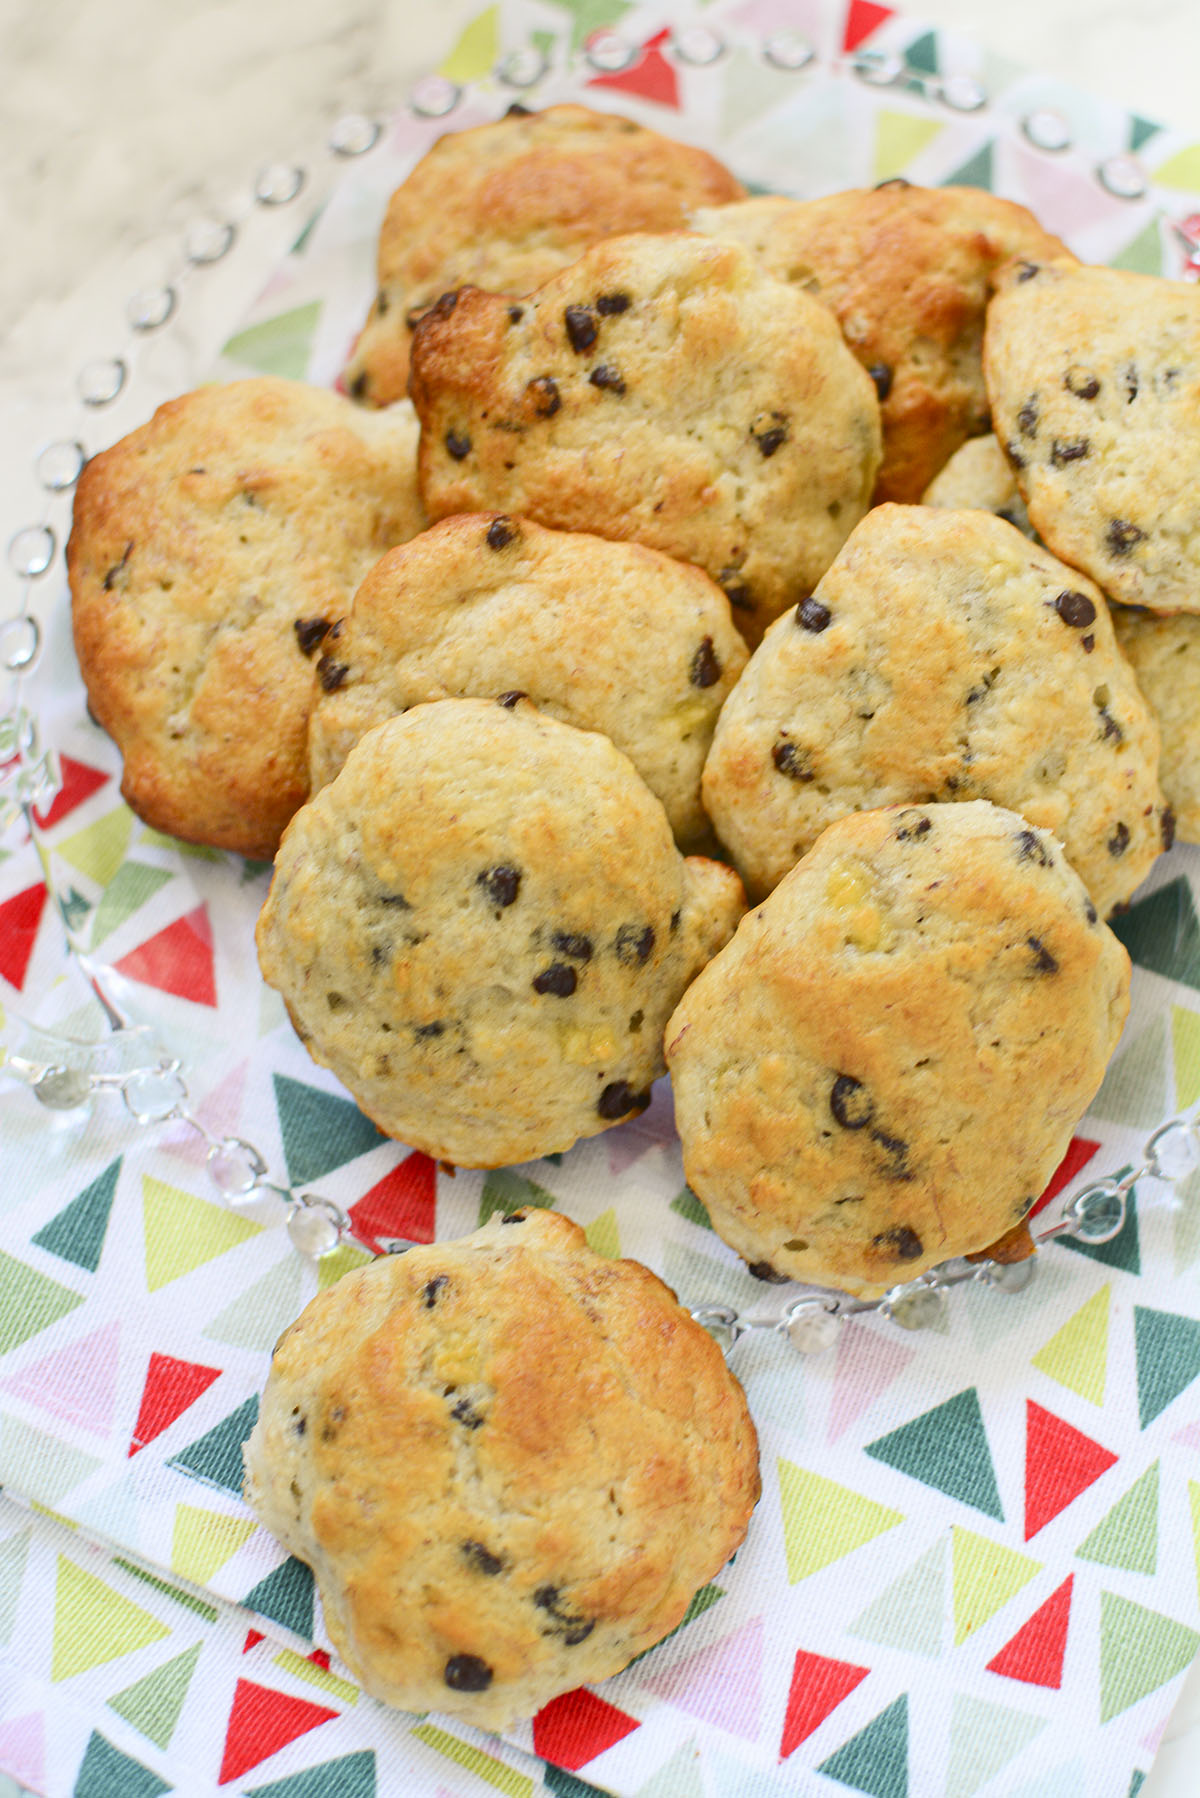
1135	1087
351	1777
686	1204
946	1448
1143	253
823	1521
216	1457
29	1303
976	171
153	1704
1125	1249
320	1131
568	1785
910	1613
506	1191
1185	1223
106	1772
1128	1536
182	1232
1162	933
1140	1650
94	1624
1168	1358
278	346
921	54
39	1466
1140	131
679	1777
257	1318
76	1233
133	885
983	1738
286	1596
876	1759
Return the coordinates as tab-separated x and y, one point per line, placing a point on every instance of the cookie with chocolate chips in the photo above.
943	657
211	551
509	1461
885	1066
907	272
665	391
979	478
1165	655
606	636
506	205
482	925
1094	379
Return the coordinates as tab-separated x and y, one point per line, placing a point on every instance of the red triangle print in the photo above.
253	1638
171	1386
403	1203
79	782
574	1729
862	18
651	76
178	960
1060	1463
1079	1153
1035	1653
818	1687
261	1723
19	920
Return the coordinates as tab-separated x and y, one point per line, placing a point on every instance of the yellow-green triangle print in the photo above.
1185	1044
899	136
99	849
823	1521
986	1575
183	1232
93	1624
602	1235
202	1541
1077	1355
476	51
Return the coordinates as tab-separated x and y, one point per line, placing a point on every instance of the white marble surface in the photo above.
123	117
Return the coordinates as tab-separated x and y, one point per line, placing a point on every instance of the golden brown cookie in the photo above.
606	636
943	657
662	390
907	272
505	206
885	1066
482	926
211	550
509	1461
978	477
1165	655
1094	377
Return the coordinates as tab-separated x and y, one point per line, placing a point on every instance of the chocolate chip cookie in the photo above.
978	477
1165	654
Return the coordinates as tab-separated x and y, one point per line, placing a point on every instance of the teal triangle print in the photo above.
351	1777
216	1457
922	53
1125	1249
286	1595
320	1131
1162	933
976	171
77	1232
1137	1780
569	1785
946	1448
105	1772
686	1204
506	1191
1140	130
1168	1358
876	1759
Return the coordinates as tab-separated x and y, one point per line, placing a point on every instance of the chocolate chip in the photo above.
1013	453
1168	827
1027	418
444	305
676	916
382	302
1073	449
811	615
1130	382
893	181
610	303
336	1001
467	1673
984	688
299	1421
1118	843
606	376
909	833
1090	912
309	632
636	1020
619	1098
514	110
433	1288
1027	270
482	1559
458	444
896	1149
558	979
581	326
359	385
1075	609
705	670
882	376
904	1243
464	1412
512	698
428	1031
769	430
1123	537
331	674
851	1103
110	578
792	760
1032	849
1043	961
415	314
1088	643
762	1270
1081	382
396	899
515	1217
500	533
1110	731
500	884
579	948
735	589
515	314
543	392
634	943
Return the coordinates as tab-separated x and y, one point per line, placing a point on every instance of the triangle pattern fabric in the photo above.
177	960
1080	1150
153	1703
818	1686
77	1232
134	885
1128	1536
987	1575
1193	1507
216	1457
721	1684
286	1596
678	1777
278	346
23	1749
19	920
1161	932
651	77
256	1318
876	1759
899	137
29	1302
976	171
823	1521
402	1204
99	849
910	1613
1185	1041
1168	1358
1125	1249
983	1738
170	1387
1185	1223
14	1552
505	1190
1140	1650
862	18
922	55
603	1235
40	1466
93	1624
867	1364
1076	1356
77	1384
353	1776
261	1722
320	1130
1035	1654
1143	253
946	1448
686	1204
77	782
182	1232
1134	1088
202	1541
105	1771
476	50
574	1729
1060	1463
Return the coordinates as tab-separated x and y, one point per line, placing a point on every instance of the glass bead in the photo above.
963	93
1012	1276
99	383
878	70
433	97
1047	130
1097	1214
812	1327
235	1167
20	640
60	465
153	1094
788	50
31	551
917	1307
521	68
697	45
315	1227
354	134
62	1089
150	308
721	1324
278	183
607	51
1173	1152
207	240
1122	177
